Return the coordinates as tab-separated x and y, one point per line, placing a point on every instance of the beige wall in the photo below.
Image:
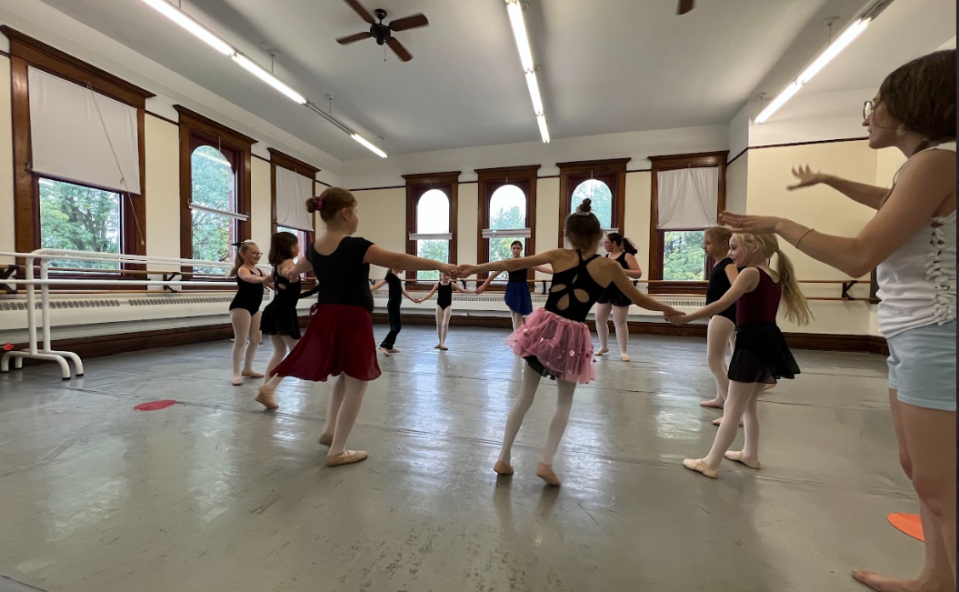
162	143
770	172
6	161
888	163
737	182
261	205
547	216
382	215
638	204
466	223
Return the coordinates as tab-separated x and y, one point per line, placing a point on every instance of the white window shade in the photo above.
81	136
292	191
688	198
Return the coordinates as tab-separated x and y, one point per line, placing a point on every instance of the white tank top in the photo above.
917	283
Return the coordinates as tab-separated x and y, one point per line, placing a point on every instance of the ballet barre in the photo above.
46	352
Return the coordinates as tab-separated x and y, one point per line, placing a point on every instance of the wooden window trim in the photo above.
25	51
671	163
417	186
296	165
612	172
489	180
193	125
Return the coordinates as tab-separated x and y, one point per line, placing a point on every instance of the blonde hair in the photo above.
720	234
241	248
793	300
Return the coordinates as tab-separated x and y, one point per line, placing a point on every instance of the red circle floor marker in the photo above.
155	405
909	524
8	347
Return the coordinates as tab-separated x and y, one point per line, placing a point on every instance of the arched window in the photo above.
507	208
213	201
431	219
602	200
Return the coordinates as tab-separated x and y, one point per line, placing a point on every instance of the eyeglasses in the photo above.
869	108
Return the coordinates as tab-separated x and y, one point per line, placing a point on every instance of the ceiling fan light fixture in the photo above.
199	31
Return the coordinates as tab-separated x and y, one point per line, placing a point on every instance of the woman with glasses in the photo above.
912	240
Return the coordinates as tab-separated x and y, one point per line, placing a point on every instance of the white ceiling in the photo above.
610	66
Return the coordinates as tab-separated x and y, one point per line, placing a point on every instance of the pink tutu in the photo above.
563	348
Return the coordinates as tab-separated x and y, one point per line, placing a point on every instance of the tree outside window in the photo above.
78	218
213	182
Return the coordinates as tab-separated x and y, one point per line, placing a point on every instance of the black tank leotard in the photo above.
444	295
249	296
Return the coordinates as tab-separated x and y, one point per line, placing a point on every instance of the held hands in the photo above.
290	275
466	270
807	178
679	319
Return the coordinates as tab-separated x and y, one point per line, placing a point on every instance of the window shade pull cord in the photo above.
116	160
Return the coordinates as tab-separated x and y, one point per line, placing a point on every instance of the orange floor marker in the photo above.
909	524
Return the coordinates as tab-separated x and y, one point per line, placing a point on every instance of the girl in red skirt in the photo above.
555	340
339	340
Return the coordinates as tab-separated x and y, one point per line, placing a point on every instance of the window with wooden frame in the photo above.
431	220
293	182
80	185
677	262
507	212
215	188
602	181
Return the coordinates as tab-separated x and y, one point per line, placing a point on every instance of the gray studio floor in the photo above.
213	494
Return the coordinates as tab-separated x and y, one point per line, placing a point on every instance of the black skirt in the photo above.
614	296
280	316
761	355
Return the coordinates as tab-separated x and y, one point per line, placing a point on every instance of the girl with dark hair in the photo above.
339	341
396	294
517	296
555	341
621	250
912	240
280	320
444	306
245	309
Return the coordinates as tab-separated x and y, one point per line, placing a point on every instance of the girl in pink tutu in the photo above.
555	340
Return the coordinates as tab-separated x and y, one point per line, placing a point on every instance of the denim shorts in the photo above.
922	366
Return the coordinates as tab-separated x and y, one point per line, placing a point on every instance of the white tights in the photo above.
564	404
721	337
620	314
517	319
443	323
246	329
282	344
742	404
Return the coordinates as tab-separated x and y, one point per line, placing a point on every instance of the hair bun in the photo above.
586	207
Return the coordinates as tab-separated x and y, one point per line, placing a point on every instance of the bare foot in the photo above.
252	374
385	351
326	439
883	584
713	403
717	422
437	346
602	351
738	457
265	397
347	457
624	358
393	351
545	472
700	466
444	348
237	380
504	469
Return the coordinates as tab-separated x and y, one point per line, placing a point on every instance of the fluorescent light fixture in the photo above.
834	49
784	96
518	22
533	85
181	18
519	33
543	130
255	69
368	145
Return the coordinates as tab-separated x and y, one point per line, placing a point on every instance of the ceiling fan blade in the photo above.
410	22
400	51
364	13
354	38
686	6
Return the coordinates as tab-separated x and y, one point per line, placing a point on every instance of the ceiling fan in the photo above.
686	6
383	33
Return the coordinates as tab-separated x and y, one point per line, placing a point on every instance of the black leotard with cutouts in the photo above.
574	292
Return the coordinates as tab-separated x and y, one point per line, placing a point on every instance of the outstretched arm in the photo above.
301	267
625	285
746	282
377	285
867	195
383	258
251	278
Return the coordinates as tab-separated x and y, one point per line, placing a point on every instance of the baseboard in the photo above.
105	345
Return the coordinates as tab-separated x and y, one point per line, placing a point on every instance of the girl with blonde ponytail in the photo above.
762	356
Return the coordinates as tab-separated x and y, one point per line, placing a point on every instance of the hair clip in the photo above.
318	201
